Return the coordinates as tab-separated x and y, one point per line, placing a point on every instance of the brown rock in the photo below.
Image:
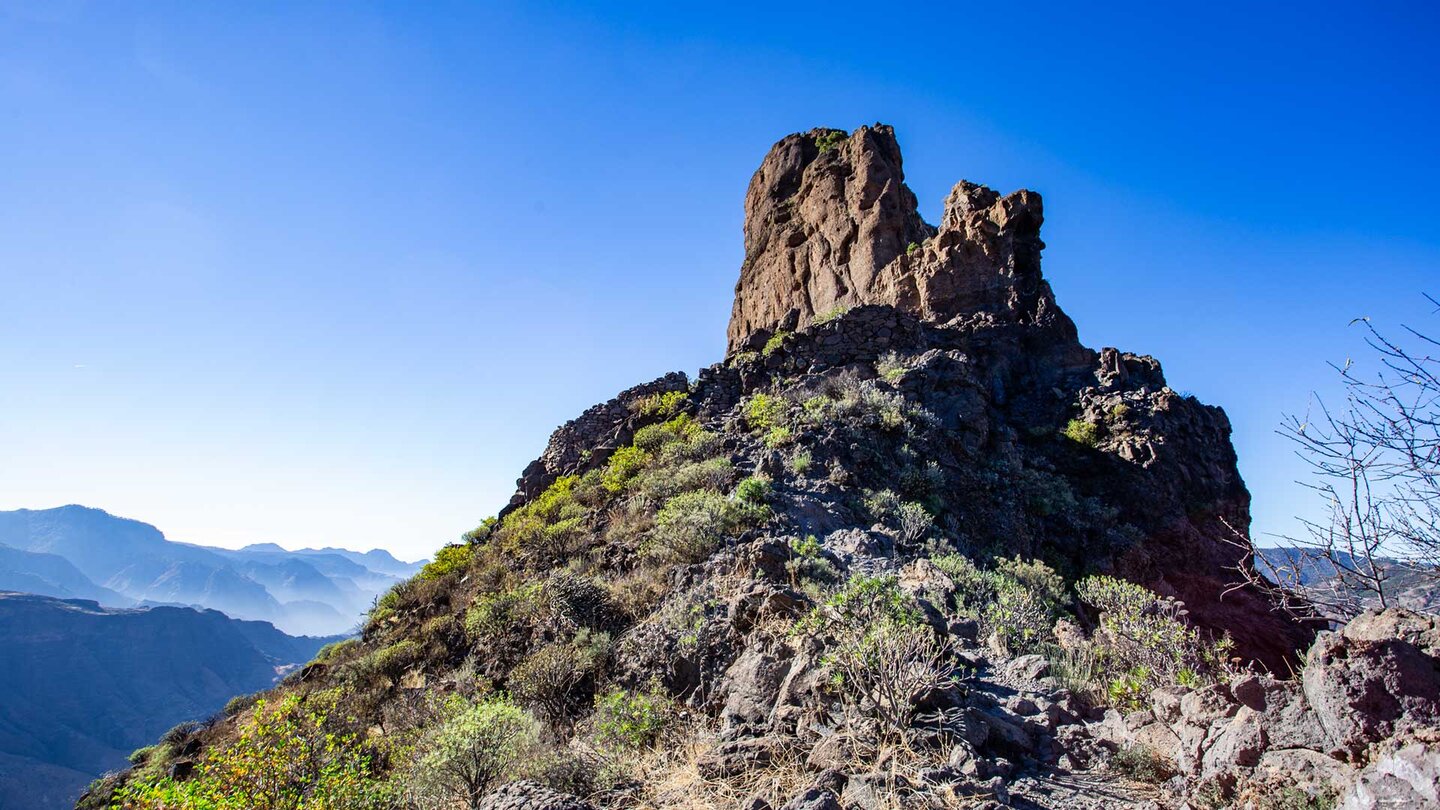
831	228
1240	744
1375	678
819	224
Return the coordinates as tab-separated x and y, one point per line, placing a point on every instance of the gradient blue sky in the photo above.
330	273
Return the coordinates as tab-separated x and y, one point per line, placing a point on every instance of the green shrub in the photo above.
973	587
776	342
879	668
384	608
883	505
881	651
890	366
809	562
754	490
283	757
1082	432
448	560
473	747
1017	601
632	720
578	601
828	315
1147	637
625	464
862	405
551	680
440	634
1141	763
238	704
1290	797
180	732
480	533
691	525
778	437
764	412
922	481
817	409
864	601
913	522
654	437
1028	600
393	660
662	482
140	755
1128	690
830	139
800	462
336	650
661	406
911	248
548	523
501	613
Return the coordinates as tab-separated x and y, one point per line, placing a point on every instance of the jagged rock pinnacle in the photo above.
830	224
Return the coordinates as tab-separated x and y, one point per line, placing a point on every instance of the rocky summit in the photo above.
830	225
910	545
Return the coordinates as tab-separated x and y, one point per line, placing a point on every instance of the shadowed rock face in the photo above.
830	224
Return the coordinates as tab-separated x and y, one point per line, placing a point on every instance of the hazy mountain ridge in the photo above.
1406	587
82	685
51	575
76	551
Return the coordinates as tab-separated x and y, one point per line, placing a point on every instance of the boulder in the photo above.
1027	668
1374	679
814	798
1206	705
752	685
1409	777
527	795
1165	702
1311	771
1240	743
738	756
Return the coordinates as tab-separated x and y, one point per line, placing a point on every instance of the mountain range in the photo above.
81	685
80	552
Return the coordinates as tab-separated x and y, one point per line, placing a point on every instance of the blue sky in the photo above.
331	272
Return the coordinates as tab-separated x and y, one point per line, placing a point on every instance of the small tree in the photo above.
1376	465
474	746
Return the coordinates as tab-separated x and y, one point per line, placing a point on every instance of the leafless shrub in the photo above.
882	670
1375	461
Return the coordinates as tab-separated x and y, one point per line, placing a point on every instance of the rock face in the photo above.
830	224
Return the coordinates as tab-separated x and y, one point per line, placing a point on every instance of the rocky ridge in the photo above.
882	556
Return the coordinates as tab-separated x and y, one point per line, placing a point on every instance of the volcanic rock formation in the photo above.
830	224
907	462
840	269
